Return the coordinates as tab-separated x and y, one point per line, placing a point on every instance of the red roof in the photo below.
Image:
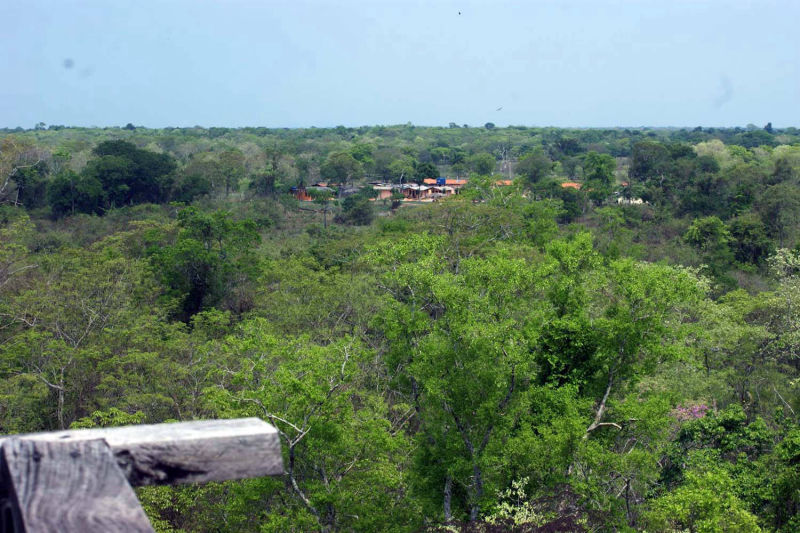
429	181
571	185
455	182
503	182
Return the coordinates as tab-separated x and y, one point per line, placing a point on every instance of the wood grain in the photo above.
69	487
184	452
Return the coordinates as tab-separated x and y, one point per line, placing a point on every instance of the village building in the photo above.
301	194
384	191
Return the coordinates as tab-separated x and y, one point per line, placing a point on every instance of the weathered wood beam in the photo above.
184	452
68	486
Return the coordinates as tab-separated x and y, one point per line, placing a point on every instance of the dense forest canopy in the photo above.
598	332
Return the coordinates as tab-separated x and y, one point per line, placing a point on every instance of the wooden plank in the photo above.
69	486
185	452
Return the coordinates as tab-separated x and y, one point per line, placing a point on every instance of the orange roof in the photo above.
455	182
503	182
571	185
429	181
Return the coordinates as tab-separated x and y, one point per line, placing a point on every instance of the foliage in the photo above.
522	356
211	257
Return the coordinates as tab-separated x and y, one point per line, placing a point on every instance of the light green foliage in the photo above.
514	507
779	207
712	239
482	164
343	458
541	217
705	503
402	170
341	167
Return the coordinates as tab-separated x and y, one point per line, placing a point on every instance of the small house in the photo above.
384	191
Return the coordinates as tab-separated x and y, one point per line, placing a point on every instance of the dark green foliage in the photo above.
69	193
749	239
649	161
779	207
190	187
425	171
357	210
752	139
598	171
211	257
534	167
130	175
784	171
31	185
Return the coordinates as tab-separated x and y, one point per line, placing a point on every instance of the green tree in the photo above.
211	256
598	170
649	161
705	503
343	461
130	175
69	193
341	167
402	170
358	209
482	163
779	207
425	171
749	239
783	171
31	185
711	238
232	168
453	334
534	167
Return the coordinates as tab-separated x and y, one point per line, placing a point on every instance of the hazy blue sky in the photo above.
356	62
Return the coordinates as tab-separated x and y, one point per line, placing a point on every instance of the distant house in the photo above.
306	194
301	194
440	191
412	191
384	191
504	183
571	185
348	191
321	188
455	183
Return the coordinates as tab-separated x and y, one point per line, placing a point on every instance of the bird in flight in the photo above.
499	108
